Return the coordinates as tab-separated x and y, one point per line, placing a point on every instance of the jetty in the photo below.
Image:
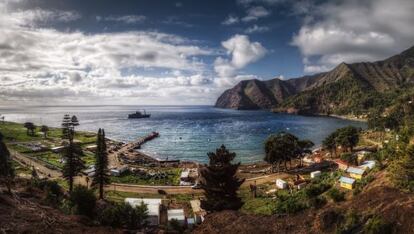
127	154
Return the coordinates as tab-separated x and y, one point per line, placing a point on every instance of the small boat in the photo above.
139	115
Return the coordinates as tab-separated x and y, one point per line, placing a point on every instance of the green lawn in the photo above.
118	196
173	178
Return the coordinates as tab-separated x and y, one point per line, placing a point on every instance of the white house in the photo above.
315	174
177	214
153	205
281	184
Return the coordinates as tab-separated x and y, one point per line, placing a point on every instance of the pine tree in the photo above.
74	163
74	121
6	165
219	182
101	177
66	126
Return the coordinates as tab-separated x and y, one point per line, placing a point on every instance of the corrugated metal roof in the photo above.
355	170
177	214
153	204
346	180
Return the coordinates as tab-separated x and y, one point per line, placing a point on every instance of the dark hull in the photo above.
132	116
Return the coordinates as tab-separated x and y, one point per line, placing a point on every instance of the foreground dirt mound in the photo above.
379	198
23	213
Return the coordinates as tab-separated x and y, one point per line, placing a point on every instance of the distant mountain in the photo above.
348	88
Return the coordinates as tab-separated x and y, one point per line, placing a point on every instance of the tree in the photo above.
74	121
329	143
44	129
30	128
101	177
6	165
66	126
348	137
279	148
219	182
303	148
74	163
84	200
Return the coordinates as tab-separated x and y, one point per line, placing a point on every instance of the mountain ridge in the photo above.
311	94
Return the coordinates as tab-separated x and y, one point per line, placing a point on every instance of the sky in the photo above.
183	52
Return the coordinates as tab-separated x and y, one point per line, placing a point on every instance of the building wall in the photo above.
347	186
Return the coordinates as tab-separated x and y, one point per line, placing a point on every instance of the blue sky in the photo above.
186	51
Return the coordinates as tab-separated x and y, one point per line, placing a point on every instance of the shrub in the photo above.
83	200
349	158
377	225
317	202
124	215
176	226
314	190
289	205
336	195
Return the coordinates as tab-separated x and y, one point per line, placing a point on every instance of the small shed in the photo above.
347	182
177	214
198	212
281	184
369	164
355	172
315	174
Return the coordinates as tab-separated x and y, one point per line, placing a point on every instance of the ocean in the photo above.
186	132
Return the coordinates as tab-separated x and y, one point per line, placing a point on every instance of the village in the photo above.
137	178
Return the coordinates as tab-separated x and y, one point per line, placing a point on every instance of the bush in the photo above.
83	200
376	225
336	195
314	190
289	205
317	202
52	189
349	158
176	226
124	215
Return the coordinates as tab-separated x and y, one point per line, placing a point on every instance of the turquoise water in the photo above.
187	132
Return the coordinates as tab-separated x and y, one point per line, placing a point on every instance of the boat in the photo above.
139	115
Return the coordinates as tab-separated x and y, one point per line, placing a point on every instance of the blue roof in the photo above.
346	180
355	170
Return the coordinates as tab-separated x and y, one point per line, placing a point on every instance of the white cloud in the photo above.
241	51
230	20
128	19
256	29
41	64
354	31
254	13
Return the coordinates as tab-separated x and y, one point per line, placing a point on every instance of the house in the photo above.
90	171
368	165
301	185
318	159
57	149
177	214
281	184
153	205
185	175
346	182
342	165
356	172
118	171
315	174
198	212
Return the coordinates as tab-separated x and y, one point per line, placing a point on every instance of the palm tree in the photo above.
44	129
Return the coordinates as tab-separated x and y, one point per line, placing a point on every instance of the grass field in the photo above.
16	136
173	178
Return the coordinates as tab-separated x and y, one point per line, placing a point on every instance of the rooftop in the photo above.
346	180
355	170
